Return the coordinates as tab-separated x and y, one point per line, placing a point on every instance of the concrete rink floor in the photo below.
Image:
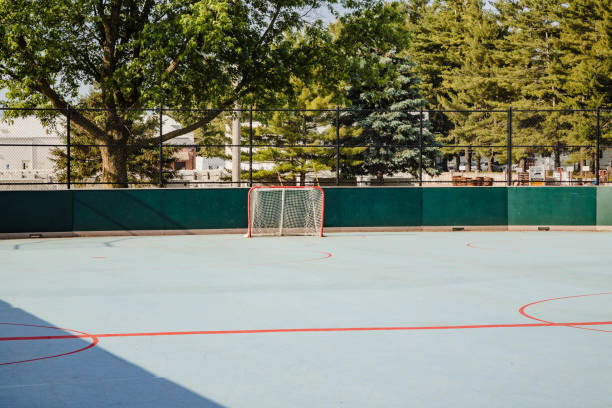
461	319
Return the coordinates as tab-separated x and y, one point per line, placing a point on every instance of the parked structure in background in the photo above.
25	153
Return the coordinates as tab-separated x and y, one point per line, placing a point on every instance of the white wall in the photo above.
27	132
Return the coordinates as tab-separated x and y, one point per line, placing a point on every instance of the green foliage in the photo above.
301	130
344	55
211	136
563	56
526	54
388	114
145	53
357	43
86	158
476	81
586	52
469	55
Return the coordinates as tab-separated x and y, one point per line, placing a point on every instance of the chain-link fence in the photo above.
95	148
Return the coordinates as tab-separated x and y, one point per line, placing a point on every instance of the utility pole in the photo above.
236	146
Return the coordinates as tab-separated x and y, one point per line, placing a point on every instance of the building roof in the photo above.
18	130
27	128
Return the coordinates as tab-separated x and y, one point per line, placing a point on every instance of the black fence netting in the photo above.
95	148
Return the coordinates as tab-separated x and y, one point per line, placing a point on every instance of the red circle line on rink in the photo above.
576	325
94	341
326	256
471	245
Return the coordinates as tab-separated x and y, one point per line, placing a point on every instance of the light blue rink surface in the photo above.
136	285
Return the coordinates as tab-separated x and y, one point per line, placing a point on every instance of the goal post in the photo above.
285	210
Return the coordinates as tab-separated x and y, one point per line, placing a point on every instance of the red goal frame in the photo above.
284	187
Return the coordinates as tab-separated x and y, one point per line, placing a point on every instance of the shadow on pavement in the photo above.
90	378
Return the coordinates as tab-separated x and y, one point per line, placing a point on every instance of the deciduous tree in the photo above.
144	53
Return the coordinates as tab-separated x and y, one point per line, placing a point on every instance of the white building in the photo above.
26	148
26	151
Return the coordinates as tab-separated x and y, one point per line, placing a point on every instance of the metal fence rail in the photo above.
506	139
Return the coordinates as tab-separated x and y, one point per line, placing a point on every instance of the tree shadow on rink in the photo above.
90	378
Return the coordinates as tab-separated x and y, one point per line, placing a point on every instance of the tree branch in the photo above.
269	28
174	62
43	86
209	116
138	20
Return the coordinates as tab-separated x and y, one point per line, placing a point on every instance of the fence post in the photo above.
251	146
509	147
597	148
68	153
421	148
161	147
337	145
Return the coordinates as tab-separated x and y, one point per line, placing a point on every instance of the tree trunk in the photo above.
557	153
468	160
457	162
478	165
115	152
490	165
114	166
523	164
379	177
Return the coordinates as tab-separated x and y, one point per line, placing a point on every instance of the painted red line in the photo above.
471	245
94	341
346	329
94	337
524	313
327	255
66	336
324	329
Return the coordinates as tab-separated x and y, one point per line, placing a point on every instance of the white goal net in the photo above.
286	211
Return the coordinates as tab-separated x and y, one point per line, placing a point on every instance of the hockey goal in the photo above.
287	210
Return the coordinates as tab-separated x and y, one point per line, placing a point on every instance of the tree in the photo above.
144	53
347	58
586	53
143	165
296	133
435	43
473	84
386	116
562	60
431	41
540	79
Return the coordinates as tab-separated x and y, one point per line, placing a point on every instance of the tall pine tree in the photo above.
295	132
387	115
538	75
586	49
476	83
429	23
